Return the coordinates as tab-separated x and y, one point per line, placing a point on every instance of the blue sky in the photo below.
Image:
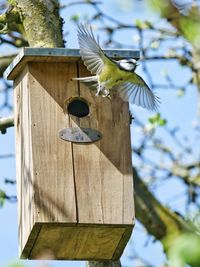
181	112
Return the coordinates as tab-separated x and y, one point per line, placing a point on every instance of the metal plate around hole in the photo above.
80	135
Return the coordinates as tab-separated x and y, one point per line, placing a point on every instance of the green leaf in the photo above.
75	17
155	44
159	5
157	120
162	122
171	53
180	92
186	24
190	25
185	250
152	120
16	264
143	24
195	180
2	198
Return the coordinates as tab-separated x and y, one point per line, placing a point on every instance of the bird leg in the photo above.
99	89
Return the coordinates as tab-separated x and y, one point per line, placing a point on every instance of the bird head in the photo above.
128	64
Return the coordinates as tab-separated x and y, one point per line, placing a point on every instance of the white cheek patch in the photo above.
127	65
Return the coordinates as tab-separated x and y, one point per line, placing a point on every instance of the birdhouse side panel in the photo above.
24	170
126	159
54	193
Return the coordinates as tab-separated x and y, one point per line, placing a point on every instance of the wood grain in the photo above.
54	197
103	169
75	200
23	158
77	243
44	163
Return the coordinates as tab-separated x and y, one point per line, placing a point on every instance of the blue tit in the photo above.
113	75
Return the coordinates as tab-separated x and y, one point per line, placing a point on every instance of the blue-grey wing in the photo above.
90	51
139	94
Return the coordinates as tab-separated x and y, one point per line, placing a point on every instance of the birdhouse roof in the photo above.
28	54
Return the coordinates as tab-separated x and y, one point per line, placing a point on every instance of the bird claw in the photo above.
102	91
105	93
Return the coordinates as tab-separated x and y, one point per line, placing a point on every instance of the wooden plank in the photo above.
83	242
28	247
103	169
18	150
23	157
28	54
54	194
123	242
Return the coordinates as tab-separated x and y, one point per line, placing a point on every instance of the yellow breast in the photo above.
112	75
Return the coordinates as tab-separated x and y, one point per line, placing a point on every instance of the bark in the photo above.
44	15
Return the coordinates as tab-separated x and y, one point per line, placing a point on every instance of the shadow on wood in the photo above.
75	200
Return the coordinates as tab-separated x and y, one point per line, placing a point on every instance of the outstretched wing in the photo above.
91	53
134	90
137	92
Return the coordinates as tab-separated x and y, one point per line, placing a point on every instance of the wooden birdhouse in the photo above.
73	159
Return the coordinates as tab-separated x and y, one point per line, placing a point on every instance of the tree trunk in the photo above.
44	15
162	223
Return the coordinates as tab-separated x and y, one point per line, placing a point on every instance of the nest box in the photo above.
73	158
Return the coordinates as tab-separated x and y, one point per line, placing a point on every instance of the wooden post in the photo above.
75	200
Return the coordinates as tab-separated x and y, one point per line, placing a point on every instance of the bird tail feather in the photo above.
86	79
91	82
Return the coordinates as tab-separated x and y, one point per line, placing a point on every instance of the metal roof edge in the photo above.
27	54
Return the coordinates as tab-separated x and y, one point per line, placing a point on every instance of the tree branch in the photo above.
4	62
159	221
10	21
6	123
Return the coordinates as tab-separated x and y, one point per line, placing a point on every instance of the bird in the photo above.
110	74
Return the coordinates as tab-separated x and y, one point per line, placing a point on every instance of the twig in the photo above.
5	61
6	123
6	156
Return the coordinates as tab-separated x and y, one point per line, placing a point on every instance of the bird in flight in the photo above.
113	74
